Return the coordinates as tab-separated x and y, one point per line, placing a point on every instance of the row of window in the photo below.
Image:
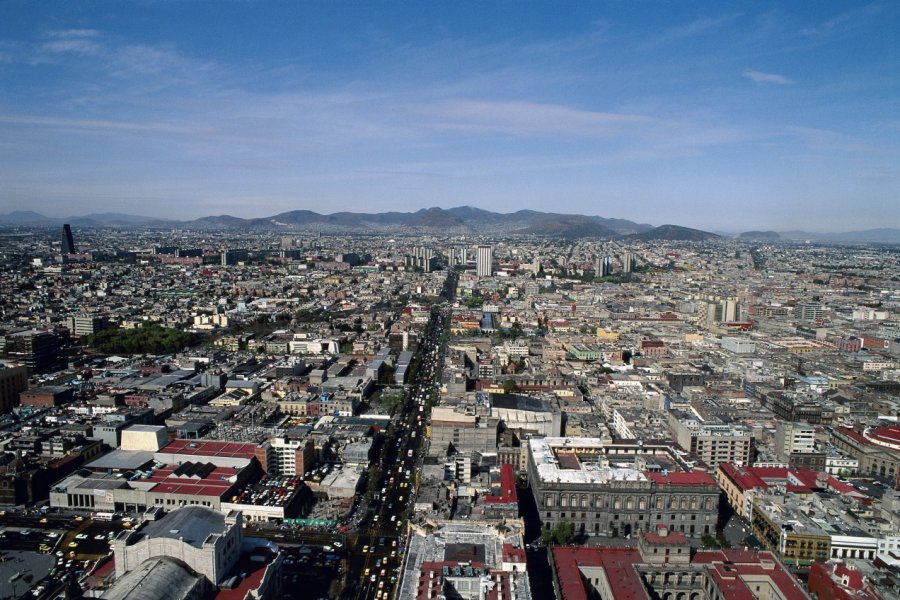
628	502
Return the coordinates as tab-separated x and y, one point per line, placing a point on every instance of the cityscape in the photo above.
449	300
279	413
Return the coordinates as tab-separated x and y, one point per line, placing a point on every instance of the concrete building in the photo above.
159	577
877	449
46	396
664	566
793	438
81	325
467	432
575	480
13	381
38	350
149	438
466	561
484	261
713	442
288	455
210	543
777	522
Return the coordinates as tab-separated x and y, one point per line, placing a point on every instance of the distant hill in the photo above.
762	236
458	220
568	226
673	233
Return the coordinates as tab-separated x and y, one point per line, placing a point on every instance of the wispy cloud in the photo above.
688	30
100	125
843	22
529	119
77	41
763	78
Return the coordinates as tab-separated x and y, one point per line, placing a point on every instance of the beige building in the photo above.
714	443
150	438
467	432
208	541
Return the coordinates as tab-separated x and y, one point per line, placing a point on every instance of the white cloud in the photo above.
72	33
99	125
764	78
529	119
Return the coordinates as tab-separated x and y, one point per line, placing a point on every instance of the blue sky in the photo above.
717	115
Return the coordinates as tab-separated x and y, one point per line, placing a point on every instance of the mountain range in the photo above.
459	220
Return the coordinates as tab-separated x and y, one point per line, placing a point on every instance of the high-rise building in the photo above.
602	266
39	351
628	262
13	381
233	257
484	261
68	244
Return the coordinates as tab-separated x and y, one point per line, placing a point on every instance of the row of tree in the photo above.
149	339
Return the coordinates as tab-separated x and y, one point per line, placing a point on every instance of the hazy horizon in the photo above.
705	115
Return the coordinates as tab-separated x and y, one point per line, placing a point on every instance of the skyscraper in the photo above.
628	262
68	244
484	261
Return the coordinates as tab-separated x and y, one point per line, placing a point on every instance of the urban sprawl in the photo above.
247	415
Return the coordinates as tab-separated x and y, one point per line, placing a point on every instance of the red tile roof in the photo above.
726	567
254	565
211	448
508	494
214	484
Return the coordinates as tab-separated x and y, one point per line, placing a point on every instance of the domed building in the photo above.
194	552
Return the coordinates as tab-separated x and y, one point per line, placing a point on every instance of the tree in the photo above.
563	533
510	387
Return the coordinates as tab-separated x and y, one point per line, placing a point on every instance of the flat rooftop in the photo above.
210	448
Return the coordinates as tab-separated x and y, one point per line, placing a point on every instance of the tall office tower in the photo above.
484	261
606	266
68	244
628	262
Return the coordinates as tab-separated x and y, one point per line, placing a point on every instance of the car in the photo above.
79	518
43	520
99	537
372	578
60	553
365	549
73	544
81	536
367	571
44	548
338	544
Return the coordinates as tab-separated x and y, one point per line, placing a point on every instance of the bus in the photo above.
103	516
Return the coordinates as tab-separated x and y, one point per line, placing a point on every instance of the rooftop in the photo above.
191	524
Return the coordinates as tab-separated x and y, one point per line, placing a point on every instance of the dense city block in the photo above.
248	414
